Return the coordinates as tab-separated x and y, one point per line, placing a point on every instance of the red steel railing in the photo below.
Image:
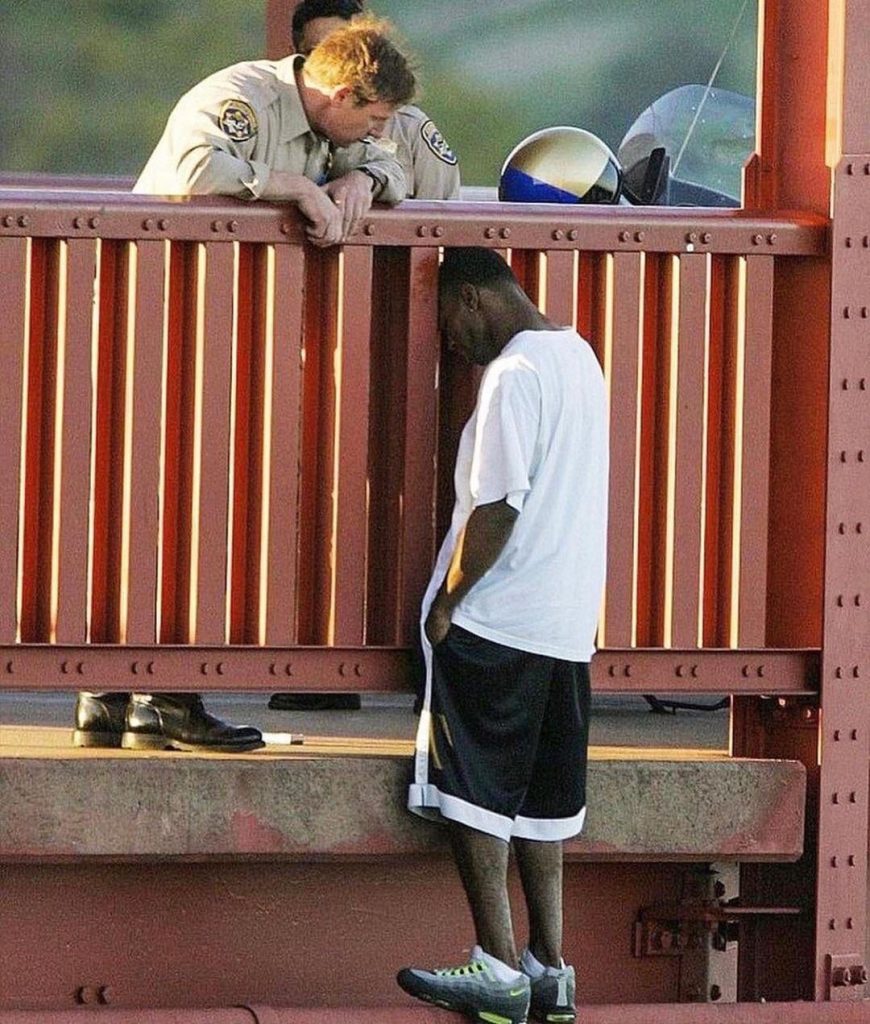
229	454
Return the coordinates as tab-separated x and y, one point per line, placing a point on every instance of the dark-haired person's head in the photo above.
480	303
315	20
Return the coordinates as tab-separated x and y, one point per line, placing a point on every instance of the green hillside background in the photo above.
85	87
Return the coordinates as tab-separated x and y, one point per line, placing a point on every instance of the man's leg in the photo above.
540	867
482	861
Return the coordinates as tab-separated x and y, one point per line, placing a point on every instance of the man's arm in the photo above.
392	187
481	542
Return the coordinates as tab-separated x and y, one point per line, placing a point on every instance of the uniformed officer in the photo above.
430	166
293	130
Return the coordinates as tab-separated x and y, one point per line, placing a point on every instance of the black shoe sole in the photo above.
155	741
91	738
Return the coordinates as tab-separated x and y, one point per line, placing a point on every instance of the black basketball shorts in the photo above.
502	740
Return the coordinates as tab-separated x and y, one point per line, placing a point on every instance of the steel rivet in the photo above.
438	231
558	235
861	456
679	671
369	229
745	671
149	668
288	669
78	222
23	222
273	669
843	456
706	238
857	600
341	669
841	529
624	236
148	224
489	233
838	672
849	924
836	735
847	313
134	668
757	239
760	672
865	241
80	668
835	798
850	169
771	238
853	735
505	232
105	995
85	995
832	924
163	224
422	231
357	671
853	798
233	226
611	671
863	312
845	385
627	671
203	668
94	222
839	600
850	860
10	668
639	236
862	384
573	235
848	243
867	168
65	668
694	671
8	221
692	236
220	668
859	528
834	862
286	228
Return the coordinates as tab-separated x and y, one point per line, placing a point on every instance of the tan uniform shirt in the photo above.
229	132
431	169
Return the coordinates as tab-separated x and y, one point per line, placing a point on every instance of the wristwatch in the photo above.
377	184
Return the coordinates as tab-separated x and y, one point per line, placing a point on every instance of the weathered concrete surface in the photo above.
58	808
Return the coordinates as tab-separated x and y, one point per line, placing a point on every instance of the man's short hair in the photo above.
308	10
475	265
364	58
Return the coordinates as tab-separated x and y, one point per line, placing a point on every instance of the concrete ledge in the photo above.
58	808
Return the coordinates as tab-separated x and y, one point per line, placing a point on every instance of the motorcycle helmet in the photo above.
561	165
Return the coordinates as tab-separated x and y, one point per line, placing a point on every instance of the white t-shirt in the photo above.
539	438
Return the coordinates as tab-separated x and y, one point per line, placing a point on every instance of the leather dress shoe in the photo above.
100	719
178	721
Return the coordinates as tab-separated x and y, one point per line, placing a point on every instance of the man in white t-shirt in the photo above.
509	625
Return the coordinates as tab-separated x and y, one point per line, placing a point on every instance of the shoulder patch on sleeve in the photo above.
237	120
436	142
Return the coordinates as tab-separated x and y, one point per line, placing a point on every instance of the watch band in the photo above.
377	184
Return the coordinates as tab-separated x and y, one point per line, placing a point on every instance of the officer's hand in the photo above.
325	221
352	193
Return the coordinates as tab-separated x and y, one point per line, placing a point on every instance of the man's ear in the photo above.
470	296
342	95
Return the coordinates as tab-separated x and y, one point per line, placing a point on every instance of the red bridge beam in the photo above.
379	669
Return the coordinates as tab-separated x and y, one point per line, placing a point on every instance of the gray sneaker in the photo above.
472	989
553	995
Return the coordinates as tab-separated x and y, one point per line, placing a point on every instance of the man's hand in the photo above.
352	194
325	219
437	621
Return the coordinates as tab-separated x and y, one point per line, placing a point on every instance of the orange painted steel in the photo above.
306	431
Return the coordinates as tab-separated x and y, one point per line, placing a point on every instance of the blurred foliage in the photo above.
86	87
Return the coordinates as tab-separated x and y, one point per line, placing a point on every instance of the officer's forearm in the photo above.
287	187
481	542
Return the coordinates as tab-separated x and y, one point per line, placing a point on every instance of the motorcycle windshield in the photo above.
708	135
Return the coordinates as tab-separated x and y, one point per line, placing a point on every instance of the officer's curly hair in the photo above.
364	58
308	10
